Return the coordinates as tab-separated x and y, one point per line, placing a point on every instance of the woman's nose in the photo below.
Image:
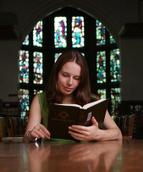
70	80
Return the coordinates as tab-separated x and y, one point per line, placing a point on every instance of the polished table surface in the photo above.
57	156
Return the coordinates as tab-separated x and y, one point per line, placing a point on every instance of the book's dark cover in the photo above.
61	117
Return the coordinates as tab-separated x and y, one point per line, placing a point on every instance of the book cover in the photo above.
63	115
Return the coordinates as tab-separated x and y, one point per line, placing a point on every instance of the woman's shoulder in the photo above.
41	96
42	99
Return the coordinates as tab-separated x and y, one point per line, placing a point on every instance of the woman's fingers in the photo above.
40	131
45	131
94	122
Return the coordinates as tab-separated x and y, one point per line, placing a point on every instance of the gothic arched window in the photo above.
64	29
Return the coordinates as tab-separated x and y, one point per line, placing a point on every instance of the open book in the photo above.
63	115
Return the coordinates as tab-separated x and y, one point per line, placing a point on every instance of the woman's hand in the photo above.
84	133
94	133
38	131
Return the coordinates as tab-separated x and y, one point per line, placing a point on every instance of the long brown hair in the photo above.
82	94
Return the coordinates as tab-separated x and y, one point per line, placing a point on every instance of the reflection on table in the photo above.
72	156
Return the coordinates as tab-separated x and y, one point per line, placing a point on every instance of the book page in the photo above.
86	106
72	105
93	103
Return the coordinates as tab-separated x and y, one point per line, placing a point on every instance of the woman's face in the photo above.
69	78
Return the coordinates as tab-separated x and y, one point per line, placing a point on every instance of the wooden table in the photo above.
72	157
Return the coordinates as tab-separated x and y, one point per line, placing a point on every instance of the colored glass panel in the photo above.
100	33
57	56
23	96
77	31
101	93
38	67
37	91
26	41
112	40
23	66
101	67
115	99
115	65
38	34
76	39
60	32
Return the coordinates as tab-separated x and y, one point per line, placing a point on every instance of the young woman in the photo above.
69	83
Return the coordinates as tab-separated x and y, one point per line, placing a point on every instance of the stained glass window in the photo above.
38	34
57	56
69	28
77	31
101	67
115	99
101	93
38	67
24	101
60	32
26	41
112	40
115	65
37	91
100	33
23	66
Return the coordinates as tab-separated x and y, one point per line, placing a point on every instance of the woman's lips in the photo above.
68	89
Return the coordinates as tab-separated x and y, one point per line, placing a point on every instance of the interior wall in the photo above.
132	68
8	69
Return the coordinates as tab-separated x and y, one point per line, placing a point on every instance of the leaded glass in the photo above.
112	40
77	31
115	99
26	41
60	32
38	67
37	91
57	56
101	93
100	33
101	67
38	34
70	30
23	66
115	65
24	101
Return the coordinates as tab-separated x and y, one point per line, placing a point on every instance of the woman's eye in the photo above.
65	74
68	75
77	78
